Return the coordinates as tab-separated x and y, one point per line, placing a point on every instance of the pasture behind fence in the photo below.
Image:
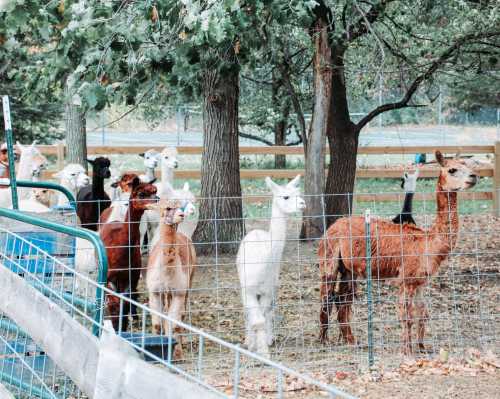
407	152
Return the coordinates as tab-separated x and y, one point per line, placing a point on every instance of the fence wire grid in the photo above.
461	298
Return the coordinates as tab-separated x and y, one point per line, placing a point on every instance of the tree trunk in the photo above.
313	222
221	225
280	136
343	142
280	126
76	132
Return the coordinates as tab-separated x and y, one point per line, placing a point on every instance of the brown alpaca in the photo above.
116	212
406	254
121	240
170	271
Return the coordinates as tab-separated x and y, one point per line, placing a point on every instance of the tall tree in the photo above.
412	38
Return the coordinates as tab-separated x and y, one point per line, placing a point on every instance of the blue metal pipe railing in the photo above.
85	234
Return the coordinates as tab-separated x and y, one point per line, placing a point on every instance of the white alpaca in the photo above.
258	263
150	219
31	164
44	196
73	177
151	160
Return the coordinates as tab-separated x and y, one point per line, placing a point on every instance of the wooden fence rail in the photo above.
494	171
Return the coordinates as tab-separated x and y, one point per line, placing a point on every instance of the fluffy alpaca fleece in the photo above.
258	263
342	256
170	270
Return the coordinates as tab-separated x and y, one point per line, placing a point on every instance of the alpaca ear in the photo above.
135	182
185	187
90	161
114	185
20	146
33	144
440	158
271	185
294	182
141	154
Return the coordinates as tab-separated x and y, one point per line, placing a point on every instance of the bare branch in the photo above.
295	101
256	138
361	27
258	81
434	66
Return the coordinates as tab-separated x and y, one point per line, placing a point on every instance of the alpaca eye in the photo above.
141	195
452	171
169	209
286	197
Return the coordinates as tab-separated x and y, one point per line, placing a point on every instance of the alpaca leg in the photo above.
329	273
155	304
343	301
422	316
175	311
267	304
406	313
256	324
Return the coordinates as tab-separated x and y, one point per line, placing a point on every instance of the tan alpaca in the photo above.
404	254
170	271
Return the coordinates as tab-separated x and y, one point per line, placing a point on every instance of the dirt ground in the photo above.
463	302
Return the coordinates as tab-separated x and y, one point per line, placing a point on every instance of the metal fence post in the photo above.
60	155
10	150
369	286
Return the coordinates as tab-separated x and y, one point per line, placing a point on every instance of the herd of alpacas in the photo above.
142	215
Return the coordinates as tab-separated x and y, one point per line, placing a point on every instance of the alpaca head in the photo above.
44	196
287	197
456	174
34	157
184	196
125	183
73	175
409	181
143	194
168	158
151	159
100	167
171	211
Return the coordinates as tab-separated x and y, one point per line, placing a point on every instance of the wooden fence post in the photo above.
496	180
60	155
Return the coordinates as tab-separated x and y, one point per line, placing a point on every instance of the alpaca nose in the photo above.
473	176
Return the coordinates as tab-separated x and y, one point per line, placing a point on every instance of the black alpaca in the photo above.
408	183
92	200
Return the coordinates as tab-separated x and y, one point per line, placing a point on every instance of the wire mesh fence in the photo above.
461	297
218	365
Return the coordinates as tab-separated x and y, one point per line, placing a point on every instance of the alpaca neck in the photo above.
168	234
97	185
446	226
167	179
24	171
132	218
62	200
150	175
277	232
407	205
